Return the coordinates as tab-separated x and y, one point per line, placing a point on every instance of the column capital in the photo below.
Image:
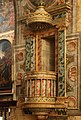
62	25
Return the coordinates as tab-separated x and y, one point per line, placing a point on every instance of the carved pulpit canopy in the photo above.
40	19
44	13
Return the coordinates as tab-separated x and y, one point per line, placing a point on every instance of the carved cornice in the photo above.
60	15
61	24
59	8
43	105
40	75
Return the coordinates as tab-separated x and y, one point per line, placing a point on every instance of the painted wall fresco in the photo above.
72	73
20	65
5	65
6	16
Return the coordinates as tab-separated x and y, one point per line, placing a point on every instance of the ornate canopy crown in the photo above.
40	19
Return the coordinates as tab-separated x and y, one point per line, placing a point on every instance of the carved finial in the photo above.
41	3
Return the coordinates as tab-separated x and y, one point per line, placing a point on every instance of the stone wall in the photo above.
78	15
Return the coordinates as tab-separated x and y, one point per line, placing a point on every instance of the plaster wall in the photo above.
74	118
78	15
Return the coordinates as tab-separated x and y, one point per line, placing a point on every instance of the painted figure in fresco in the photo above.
6	72
1	73
5	65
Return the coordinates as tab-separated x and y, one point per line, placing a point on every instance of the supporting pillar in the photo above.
61	61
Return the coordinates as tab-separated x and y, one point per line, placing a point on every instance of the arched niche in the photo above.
5	65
